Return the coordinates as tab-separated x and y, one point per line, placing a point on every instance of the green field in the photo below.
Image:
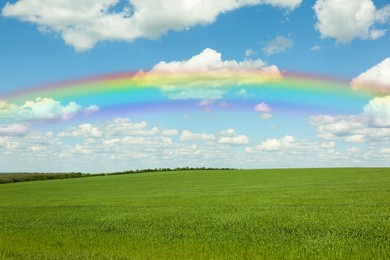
283	214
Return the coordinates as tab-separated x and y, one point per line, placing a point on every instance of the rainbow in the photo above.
155	91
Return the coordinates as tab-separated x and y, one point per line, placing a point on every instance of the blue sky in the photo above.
345	39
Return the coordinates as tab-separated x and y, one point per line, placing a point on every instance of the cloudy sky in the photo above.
110	85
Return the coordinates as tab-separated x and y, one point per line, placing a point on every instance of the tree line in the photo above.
170	170
23	177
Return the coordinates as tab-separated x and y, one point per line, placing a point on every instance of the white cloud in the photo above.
126	146
205	103
231	138
266	116
84	23
77	150
208	104
228	132
315	48
345	20
179	93
211	60
80	149
37	148
206	74
189	136
292	152
331	127
355	138
338	124
377	112
249	52
228	137
116	127
28	145
90	110
328	145
147	141
169	132
263	107
372	125
42	109
278	45
15	129
353	150
84	130
242	92
234	140
385	150
375	34
112	142
375	79
123	126
80	23
274	144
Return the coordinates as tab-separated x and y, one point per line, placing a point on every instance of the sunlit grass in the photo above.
311	213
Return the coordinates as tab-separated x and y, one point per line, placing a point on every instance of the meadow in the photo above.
230	214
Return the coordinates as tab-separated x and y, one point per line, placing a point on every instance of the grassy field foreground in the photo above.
311	213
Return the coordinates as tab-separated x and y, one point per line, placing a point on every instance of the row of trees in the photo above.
171	170
22	177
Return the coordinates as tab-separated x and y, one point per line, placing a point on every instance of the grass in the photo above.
282	214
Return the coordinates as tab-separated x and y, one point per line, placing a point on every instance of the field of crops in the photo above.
295	213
